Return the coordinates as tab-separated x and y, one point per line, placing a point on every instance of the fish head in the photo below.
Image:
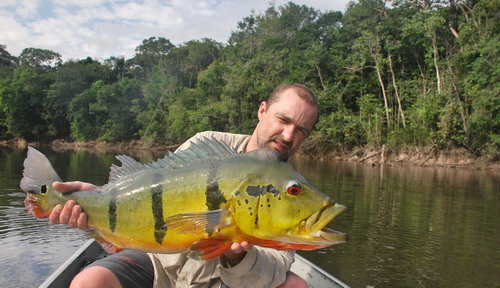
277	207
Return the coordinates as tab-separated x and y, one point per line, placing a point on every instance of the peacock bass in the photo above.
201	199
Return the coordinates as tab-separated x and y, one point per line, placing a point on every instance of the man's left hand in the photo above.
237	253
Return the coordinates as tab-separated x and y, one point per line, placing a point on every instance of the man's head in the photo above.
285	119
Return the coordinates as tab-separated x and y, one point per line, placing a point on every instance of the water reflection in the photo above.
411	227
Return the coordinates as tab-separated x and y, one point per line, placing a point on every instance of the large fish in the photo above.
201	199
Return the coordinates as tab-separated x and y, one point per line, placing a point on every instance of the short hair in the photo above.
302	91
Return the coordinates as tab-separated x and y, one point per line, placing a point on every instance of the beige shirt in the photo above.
261	267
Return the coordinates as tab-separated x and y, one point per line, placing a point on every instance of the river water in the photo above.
407	227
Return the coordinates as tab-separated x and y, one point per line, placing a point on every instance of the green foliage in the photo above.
21	101
433	64
45	59
342	129
72	78
103	112
5	58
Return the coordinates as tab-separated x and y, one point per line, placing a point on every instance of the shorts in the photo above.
132	268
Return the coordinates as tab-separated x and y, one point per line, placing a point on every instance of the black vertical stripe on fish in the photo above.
112	214
157	209
213	195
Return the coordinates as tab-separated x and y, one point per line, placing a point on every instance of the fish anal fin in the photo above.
106	245
207	249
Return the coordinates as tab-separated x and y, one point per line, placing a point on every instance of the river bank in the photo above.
410	156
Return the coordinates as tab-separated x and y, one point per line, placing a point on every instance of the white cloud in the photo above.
100	29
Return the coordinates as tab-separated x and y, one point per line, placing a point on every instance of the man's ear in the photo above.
262	109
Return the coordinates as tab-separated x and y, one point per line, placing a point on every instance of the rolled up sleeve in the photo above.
261	267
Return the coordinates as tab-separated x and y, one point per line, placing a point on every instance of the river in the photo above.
407	226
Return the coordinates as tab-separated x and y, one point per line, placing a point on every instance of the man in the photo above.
285	120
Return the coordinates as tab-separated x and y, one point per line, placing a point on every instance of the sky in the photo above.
100	29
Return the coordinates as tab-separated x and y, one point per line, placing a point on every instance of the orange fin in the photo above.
106	245
33	207
279	245
206	249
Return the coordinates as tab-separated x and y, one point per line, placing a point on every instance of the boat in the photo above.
91	251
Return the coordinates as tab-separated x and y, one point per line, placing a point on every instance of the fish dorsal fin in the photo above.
200	150
264	154
208	148
129	166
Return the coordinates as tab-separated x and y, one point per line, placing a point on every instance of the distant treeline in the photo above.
412	73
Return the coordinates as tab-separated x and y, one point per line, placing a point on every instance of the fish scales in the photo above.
201	200
139	209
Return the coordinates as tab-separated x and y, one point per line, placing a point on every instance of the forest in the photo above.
401	73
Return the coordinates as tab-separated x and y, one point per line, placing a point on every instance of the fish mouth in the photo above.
314	226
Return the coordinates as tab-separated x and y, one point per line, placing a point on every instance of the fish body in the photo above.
201	199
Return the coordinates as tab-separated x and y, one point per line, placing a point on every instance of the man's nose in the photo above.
288	132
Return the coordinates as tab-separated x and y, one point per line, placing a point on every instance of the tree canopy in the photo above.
410	73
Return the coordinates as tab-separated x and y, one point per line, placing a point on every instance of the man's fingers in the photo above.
241	247
66	212
64	187
55	214
81	223
246	246
75	213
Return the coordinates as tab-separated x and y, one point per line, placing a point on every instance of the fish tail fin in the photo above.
38	176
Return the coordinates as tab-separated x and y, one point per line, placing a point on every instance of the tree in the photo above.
21	100
173	75
5	58
103	112
43	58
72	78
149	53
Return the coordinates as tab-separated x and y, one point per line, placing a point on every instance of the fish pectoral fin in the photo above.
206	249
197	222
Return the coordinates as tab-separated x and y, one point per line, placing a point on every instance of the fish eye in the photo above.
293	188
43	189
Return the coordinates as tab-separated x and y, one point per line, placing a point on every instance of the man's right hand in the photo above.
70	214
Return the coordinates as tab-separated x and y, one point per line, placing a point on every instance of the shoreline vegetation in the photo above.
415	80
430	156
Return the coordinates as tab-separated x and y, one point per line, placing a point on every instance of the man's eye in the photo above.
304	132
283	120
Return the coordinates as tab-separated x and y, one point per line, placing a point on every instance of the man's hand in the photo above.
237	253
70	214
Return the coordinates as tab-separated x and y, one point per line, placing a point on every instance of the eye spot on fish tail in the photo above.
43	189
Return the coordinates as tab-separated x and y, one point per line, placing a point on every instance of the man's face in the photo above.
285	123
